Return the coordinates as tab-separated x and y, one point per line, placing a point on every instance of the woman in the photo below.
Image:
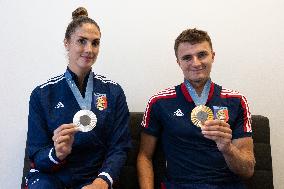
78	133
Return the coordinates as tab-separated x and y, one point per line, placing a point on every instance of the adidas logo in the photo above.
178	113
59	105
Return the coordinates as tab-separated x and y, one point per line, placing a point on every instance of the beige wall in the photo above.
137	52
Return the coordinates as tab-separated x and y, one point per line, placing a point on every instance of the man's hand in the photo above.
63	138
238	153
97	184
220	132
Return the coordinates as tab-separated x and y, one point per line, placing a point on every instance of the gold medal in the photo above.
86	120
200	114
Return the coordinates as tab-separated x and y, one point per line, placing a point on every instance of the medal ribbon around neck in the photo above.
204	95
200	113
84	103
85	119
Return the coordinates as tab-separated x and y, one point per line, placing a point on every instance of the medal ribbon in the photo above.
84	103
204	95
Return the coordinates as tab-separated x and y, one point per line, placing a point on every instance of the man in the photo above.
205	129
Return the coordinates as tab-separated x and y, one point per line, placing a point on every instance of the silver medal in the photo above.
86	120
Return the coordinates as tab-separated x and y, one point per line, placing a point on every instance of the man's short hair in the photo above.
192	36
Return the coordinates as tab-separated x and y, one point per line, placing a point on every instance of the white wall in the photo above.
137	52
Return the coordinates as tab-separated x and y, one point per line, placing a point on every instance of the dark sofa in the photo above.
262	178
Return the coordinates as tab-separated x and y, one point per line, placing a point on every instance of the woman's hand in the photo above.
63	138
97	184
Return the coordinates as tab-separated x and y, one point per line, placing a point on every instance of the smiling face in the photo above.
83	47
195	60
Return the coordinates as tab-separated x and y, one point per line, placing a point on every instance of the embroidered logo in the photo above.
178	113
101	101
221	113
59	105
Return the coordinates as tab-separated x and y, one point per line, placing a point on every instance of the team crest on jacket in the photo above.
101	101
221	113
